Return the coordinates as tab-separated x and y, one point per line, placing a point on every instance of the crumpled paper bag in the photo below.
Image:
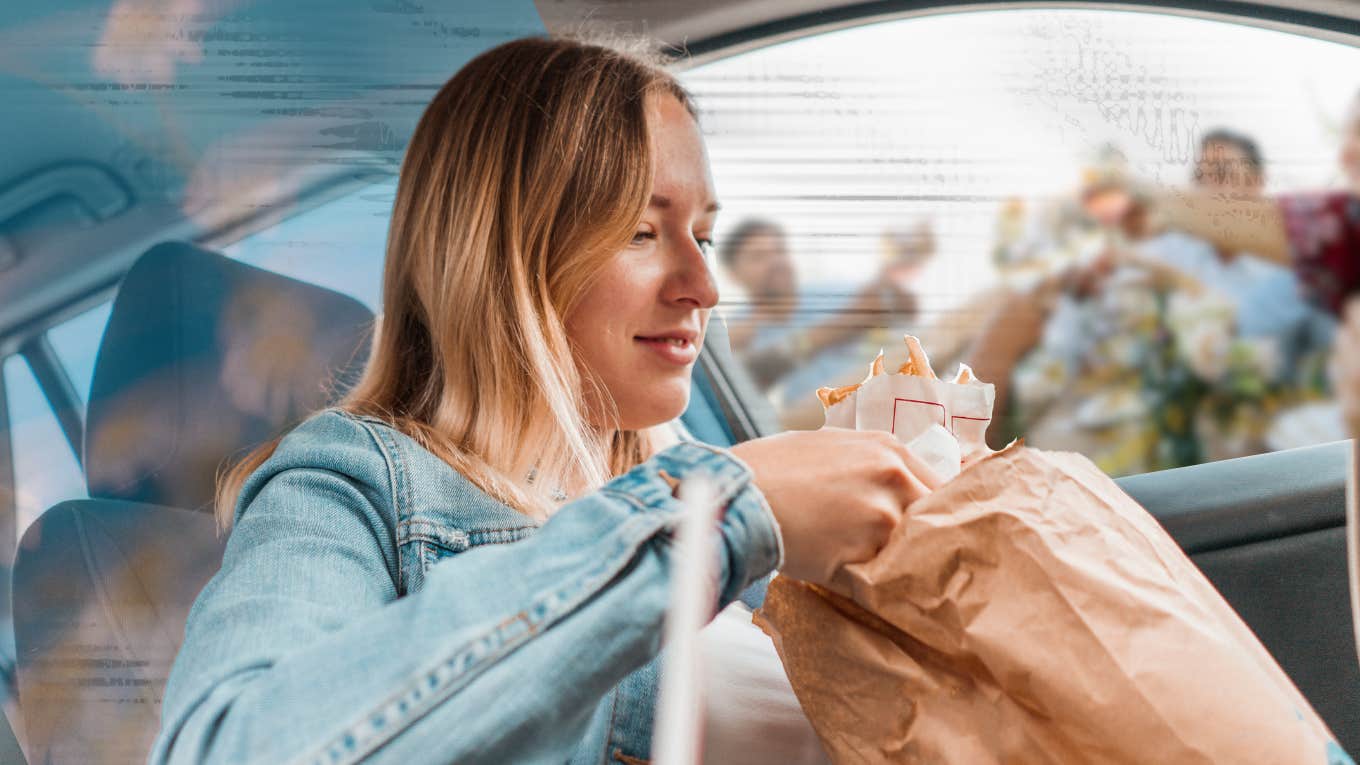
1029	611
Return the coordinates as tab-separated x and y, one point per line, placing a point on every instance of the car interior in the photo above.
152	242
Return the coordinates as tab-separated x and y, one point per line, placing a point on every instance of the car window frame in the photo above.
704	50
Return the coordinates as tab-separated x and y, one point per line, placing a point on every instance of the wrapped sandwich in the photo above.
943	422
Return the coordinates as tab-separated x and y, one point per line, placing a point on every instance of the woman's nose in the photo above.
692	280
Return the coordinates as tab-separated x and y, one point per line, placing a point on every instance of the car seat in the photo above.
203	357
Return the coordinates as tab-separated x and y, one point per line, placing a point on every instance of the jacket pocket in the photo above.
424	542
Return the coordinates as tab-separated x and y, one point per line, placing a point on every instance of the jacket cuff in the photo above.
751	539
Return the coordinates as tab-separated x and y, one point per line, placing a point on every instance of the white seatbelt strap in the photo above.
693	592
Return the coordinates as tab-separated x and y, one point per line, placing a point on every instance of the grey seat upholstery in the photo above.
203	357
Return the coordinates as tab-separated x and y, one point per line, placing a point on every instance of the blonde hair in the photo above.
527	172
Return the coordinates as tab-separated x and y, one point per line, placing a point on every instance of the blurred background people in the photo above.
1317	234
1199	310
794	340
1266	295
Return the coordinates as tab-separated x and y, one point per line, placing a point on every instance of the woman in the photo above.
406	580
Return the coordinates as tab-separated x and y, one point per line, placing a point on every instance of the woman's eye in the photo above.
643	236
706	247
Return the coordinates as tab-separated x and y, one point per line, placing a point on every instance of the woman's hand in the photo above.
837	494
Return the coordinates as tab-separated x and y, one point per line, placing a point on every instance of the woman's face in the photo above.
1350	147
639	326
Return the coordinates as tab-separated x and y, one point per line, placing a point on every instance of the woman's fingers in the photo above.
838	494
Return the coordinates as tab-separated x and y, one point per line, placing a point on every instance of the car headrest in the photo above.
203	358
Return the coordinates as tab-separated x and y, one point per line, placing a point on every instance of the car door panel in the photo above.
1270	532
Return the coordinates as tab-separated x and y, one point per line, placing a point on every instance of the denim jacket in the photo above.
373	605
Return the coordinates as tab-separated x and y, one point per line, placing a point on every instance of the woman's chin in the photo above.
667	403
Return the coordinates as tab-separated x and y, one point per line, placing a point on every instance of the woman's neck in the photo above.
600	439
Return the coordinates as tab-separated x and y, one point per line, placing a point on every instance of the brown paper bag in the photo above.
1029	611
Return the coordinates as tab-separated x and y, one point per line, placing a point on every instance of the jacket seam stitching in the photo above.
551	607
635	501
626	759
609	729
392	489
510	640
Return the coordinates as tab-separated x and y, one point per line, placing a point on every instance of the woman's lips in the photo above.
675	350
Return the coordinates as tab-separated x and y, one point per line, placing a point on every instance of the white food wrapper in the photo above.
940	450
920	411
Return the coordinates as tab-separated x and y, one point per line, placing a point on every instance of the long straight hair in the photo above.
527	172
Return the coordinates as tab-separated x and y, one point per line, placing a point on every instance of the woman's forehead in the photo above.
681	175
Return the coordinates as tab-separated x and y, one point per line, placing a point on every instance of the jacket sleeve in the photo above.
300	651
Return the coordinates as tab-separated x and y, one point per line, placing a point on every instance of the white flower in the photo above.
1130	304
1260	355
1186	312
1039	380
1206	347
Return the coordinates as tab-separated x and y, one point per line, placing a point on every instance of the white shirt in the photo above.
1266	295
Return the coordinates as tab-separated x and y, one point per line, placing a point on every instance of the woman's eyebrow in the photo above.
662	203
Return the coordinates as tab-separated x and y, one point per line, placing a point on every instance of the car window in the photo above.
937	176
45	469
338	245
76	342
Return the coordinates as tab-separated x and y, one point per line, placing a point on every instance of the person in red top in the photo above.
1323	230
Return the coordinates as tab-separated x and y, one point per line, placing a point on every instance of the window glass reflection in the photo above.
974	179
76	342
45	470
338	245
